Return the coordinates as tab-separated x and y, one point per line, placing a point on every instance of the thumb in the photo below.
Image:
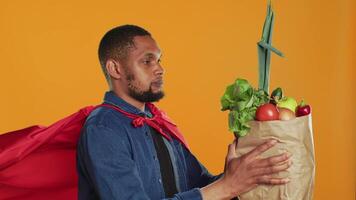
231	151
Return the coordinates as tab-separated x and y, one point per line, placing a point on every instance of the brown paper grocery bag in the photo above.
294	136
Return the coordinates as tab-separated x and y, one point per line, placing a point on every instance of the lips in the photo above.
157	83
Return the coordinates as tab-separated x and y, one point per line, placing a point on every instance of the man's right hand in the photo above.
248	171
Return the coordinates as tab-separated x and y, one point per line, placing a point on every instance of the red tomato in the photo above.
267	112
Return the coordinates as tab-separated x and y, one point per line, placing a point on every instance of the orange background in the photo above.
49	67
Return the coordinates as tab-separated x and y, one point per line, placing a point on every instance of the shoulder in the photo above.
105	129
103	122
106	117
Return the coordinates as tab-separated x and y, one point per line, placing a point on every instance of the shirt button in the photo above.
146	133
160	180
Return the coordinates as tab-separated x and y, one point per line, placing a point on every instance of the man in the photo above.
128	149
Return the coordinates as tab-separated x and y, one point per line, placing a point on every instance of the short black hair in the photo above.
116	44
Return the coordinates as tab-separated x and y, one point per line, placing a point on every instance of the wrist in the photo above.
224	189
217	190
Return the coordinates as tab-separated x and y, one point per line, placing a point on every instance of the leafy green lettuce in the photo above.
242	100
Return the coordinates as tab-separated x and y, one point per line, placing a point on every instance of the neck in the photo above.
130	100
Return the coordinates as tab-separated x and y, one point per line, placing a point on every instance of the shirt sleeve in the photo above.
198	175
110	169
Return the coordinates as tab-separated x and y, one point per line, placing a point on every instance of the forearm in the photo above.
216	191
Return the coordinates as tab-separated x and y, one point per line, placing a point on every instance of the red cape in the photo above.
40	162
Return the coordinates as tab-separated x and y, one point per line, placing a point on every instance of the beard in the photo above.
145	96
142	96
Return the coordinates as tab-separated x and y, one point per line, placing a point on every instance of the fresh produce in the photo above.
285	114
302	109
276	95
267	112
242	100
246	104
288	102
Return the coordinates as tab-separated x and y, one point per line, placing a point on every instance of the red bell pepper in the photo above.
302	109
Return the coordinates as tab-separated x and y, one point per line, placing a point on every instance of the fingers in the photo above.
273	160
261	148
272	169
268	180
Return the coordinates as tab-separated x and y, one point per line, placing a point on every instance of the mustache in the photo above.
158	81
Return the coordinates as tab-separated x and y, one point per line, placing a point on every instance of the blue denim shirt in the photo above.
117	161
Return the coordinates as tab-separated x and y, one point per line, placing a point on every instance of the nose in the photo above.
159	71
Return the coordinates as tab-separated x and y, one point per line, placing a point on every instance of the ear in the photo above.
113	68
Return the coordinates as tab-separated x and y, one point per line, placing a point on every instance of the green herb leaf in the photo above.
242	100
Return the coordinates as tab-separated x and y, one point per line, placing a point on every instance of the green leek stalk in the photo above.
265	48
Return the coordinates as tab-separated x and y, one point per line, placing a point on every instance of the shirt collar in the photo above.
111	98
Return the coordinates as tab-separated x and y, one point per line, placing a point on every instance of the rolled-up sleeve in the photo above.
107	164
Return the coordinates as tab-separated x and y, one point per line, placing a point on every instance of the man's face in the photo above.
143	74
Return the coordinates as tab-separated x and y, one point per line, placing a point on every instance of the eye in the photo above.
146	62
